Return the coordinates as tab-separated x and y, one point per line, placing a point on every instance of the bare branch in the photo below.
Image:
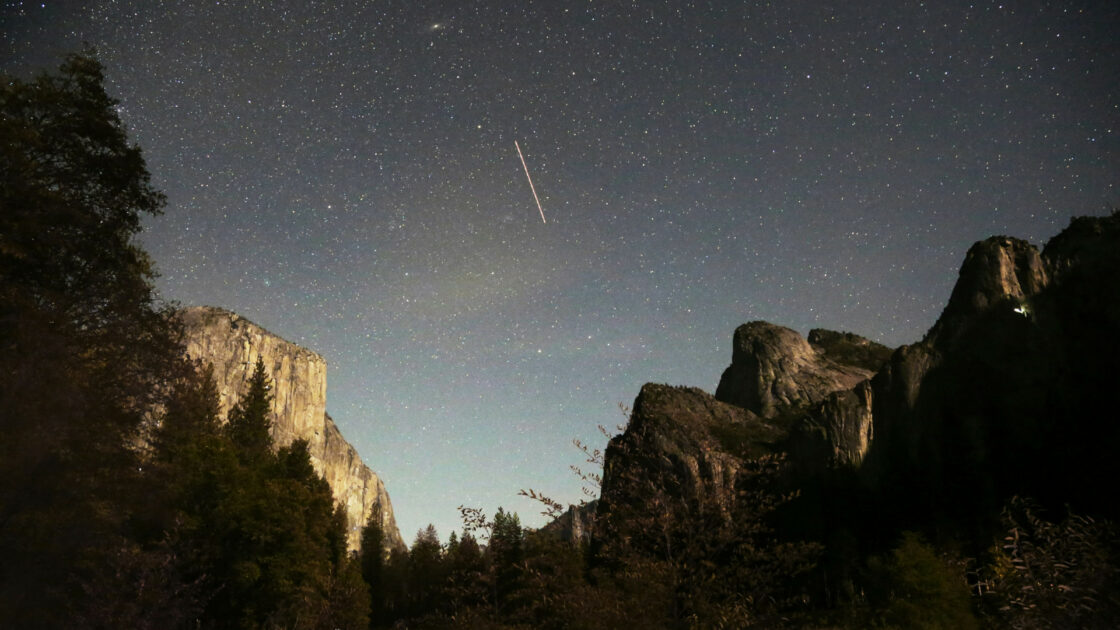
553	508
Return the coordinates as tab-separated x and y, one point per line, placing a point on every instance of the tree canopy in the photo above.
86	349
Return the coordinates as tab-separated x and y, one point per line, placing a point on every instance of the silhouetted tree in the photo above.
506	552
349	598
256	535
249	420
372	563
426	573
395	587
466	570
105	519
85	351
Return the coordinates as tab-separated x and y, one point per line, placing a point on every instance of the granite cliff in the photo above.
684	443
692	445
231	344
1006	394
774	370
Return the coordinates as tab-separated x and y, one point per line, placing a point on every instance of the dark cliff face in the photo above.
1008	393
684	436
577	525
680	457
845	348
684	443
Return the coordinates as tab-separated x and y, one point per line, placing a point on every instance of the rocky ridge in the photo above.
231	344
685	441
692	445
1001	397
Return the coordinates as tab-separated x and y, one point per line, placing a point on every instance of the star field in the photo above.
345	175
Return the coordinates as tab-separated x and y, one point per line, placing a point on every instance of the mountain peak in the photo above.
774	369
999	271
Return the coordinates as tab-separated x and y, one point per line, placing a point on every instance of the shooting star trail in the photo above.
531	186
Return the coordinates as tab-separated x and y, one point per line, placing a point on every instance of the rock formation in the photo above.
823	381
1004	395
837	432
231	344
680	457
775	370
996	272
577	525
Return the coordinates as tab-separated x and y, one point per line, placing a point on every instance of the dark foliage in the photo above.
85	352
123	503
916	587
249	421
261	540
371	562
1047	574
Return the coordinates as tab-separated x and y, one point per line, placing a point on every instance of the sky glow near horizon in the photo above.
344	174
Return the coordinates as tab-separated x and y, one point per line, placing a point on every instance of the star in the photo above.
756	160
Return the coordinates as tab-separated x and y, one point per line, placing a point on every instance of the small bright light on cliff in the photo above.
1022	310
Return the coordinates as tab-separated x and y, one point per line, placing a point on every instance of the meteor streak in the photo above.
531	186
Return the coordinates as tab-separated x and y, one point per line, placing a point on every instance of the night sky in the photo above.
344	174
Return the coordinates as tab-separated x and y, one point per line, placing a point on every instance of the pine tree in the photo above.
426	572
211	498
466	568
506	551
184	479
394	586
249	420
302	541
191	412
85	349
506	538
258	534
372	562
349	598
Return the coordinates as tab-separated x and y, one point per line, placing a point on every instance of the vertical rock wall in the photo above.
1003	397
232	344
